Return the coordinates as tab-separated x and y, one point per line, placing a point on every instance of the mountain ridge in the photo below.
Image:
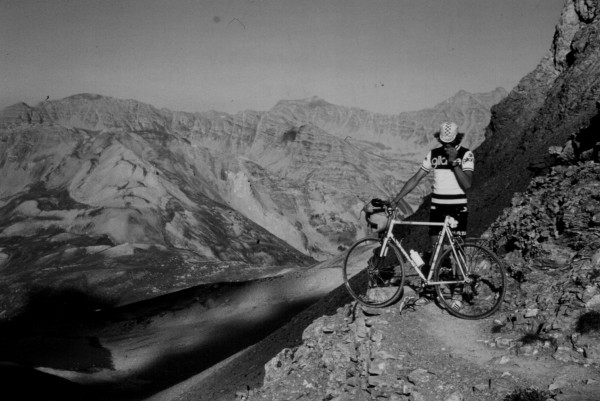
187	187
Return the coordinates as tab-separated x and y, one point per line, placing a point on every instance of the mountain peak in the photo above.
311	102
85	96
498	92
17	113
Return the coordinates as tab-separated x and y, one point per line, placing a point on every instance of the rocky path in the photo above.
416	354
421	353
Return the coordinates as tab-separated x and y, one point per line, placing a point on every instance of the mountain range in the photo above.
122	200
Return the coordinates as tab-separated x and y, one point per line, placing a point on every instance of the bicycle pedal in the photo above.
456	305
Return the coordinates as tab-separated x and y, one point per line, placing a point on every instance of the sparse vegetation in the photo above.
588	322
290	135
528	394
533	337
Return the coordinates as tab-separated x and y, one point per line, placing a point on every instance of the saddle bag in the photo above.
376	216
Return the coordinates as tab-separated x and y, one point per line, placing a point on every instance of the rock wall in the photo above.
552	102
551	238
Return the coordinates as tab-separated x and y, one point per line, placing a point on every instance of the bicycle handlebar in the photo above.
390	211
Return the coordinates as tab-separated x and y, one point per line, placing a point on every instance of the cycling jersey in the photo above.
446	189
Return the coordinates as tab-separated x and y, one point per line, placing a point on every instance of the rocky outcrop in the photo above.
20	113
552	102
551	238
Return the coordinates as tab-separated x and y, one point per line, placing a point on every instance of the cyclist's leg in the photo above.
437	214
459	212
427	293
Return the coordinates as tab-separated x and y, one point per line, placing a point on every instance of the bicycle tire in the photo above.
483	295
373	281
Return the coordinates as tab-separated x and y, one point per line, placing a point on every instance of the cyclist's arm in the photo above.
464	178
464	170
409	186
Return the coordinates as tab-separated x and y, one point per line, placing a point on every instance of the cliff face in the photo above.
548	105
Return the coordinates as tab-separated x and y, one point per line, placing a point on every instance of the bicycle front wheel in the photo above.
479	292
373	280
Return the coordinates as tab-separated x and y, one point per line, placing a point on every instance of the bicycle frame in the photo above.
449	222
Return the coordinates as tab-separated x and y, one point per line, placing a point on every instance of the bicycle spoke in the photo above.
480	291
372	280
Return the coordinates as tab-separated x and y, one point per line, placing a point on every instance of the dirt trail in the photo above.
469	339
472	339
462	356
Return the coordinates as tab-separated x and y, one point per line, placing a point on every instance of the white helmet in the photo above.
448	132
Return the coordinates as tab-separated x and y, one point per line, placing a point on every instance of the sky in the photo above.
385	56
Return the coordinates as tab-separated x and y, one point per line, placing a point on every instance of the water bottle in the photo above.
416	258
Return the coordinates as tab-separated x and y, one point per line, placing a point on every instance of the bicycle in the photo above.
469	279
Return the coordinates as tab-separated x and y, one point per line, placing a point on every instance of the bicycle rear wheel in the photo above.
373	280
478	294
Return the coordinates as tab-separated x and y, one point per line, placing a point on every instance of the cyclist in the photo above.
452	166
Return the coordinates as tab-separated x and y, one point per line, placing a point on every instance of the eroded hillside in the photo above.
110	215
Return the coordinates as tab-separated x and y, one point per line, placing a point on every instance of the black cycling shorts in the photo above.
438	213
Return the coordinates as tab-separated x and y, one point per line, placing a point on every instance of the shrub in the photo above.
528	394
531	338
589	321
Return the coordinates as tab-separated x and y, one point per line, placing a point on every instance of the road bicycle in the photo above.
469	279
